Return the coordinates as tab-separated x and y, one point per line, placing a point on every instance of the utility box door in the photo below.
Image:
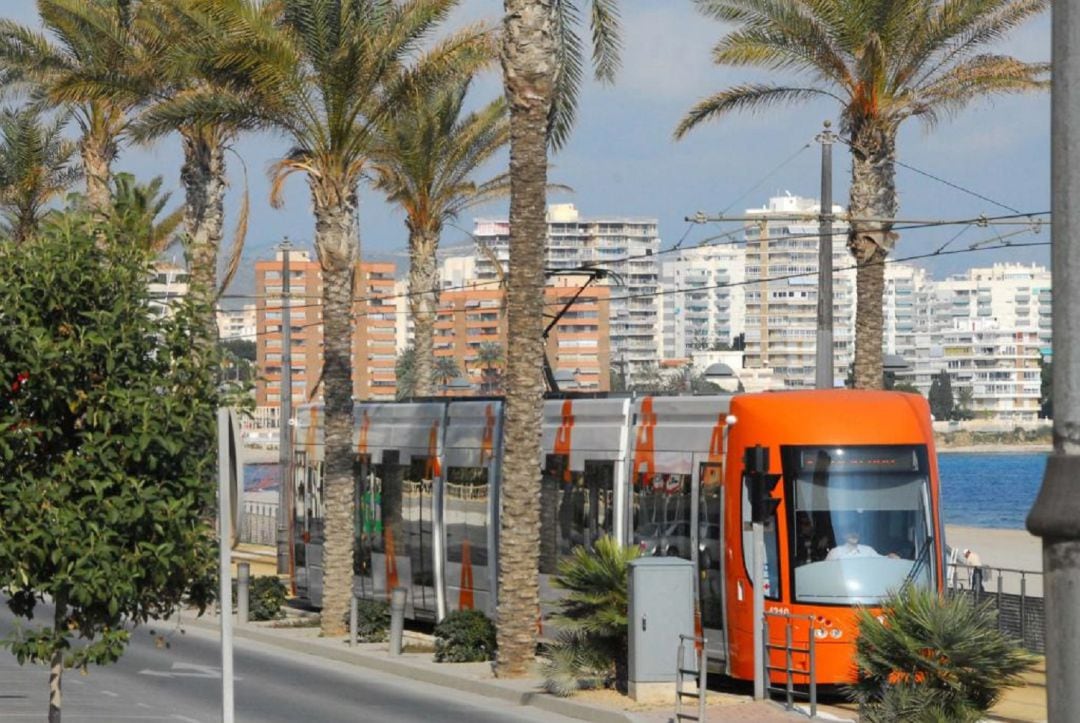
661	592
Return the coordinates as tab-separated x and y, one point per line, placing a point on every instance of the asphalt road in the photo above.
183	683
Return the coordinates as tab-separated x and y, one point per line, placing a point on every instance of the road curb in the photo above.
532	698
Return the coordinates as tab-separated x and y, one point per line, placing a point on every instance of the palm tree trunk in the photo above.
423	302
203	176
98	151
873	196
336	245
527	71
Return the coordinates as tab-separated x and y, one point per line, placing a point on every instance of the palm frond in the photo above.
607	45
978	77
753	97
236	248
569	64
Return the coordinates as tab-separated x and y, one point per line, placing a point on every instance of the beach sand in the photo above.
1009	549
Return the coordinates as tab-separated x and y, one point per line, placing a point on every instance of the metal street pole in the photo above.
758	610
824	356
284	438
1055	517
224	425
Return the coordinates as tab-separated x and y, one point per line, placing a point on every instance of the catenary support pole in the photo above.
285	389
825	373
758	537
224	424
1055	516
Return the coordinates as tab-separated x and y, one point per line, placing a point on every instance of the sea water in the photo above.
989	489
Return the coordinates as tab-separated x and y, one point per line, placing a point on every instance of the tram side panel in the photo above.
469	503
398	474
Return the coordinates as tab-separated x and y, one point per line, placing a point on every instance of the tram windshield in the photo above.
862	522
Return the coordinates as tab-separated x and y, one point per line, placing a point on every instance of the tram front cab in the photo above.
858	519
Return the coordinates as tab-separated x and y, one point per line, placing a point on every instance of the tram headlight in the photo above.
836	633
820	632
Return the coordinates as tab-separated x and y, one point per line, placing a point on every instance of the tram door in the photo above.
708	490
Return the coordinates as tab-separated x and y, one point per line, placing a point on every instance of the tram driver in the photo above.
852	548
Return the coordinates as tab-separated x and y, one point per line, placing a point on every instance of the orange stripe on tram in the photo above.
465	596
644	444
564	437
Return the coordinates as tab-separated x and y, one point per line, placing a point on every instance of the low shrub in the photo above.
266	598
931	658
465	636
591	647
372	621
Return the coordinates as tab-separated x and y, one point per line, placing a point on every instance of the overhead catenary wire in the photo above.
979	246
474	285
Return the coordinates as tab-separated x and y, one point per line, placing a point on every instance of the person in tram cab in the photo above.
810	546
851	548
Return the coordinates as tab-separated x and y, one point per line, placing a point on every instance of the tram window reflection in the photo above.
577	507
662	509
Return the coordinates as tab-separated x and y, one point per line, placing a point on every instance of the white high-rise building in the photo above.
622	245
781	292
906	308
237	324
168	284
703	306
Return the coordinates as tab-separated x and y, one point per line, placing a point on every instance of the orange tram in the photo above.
858	512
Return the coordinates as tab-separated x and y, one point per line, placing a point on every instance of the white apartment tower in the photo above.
703	306
781	292
625	246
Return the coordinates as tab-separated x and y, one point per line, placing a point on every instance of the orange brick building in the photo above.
373	345
579	344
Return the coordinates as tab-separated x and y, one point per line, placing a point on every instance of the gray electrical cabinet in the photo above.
661	592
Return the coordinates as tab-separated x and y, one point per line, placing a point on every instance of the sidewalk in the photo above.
478	679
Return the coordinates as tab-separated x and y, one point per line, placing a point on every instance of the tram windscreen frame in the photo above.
860	524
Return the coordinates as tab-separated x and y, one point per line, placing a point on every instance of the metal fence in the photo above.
258	523
1016	595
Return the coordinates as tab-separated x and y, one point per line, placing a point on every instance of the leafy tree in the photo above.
591	618
882	61
940	658
35	167
241	349
906	387
323	73
107	435
542	70
941	396
82	39
965	399
427	156
405	373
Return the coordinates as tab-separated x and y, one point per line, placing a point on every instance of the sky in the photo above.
622	160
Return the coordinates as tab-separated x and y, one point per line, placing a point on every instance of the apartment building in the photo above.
781	292
237	323
374	329
625	246
578	347
704	303
1000	367
168	284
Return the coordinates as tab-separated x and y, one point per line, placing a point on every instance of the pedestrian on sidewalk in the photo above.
974	563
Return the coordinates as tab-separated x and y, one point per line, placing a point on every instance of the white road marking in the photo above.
110	693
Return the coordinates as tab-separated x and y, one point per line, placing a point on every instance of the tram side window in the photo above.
709	544
466	510
576	508
662	508
365	515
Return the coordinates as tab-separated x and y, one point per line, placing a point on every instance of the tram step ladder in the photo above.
694	670
789	670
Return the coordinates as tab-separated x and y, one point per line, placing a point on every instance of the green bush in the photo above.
591	647
266	598
372	621
933	658
465	636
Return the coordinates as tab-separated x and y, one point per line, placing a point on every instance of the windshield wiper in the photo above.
924	557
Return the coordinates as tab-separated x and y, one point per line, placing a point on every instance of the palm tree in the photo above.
445	370
882	61
135	211
490	354
35	167
91	37
324	73
542	69
427	156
